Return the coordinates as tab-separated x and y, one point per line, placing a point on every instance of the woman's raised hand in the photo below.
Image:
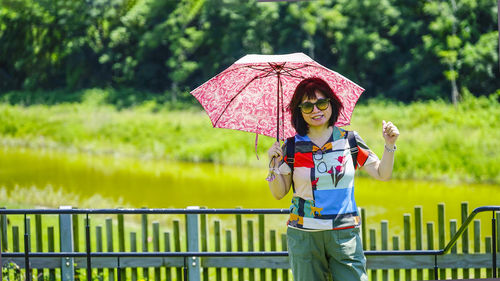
390	133
275	153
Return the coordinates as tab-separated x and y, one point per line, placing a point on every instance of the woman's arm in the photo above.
382	170
281	183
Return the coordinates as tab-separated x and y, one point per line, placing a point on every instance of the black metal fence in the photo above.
193	260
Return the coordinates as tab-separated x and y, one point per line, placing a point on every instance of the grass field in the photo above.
438	140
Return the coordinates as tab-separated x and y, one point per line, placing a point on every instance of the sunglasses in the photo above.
308	107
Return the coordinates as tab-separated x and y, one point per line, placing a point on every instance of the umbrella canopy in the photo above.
253	94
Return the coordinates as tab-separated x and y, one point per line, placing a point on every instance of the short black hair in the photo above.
308	88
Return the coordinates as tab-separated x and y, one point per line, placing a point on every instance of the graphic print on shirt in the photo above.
324	182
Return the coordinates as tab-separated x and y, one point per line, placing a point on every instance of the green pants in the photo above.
323	255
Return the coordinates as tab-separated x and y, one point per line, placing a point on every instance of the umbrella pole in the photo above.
278	109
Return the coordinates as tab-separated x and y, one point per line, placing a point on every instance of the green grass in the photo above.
438	140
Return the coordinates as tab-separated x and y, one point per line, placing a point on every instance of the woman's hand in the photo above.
275	153
390	133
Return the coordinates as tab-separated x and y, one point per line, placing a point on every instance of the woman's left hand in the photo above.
390	133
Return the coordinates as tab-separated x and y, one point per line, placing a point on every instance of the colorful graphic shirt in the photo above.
323	194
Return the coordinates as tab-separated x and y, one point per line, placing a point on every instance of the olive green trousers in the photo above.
326	255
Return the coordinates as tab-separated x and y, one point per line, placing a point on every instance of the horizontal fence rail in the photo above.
190	260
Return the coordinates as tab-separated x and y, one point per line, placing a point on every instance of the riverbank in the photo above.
438	141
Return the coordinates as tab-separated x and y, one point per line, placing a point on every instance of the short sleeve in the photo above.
365	155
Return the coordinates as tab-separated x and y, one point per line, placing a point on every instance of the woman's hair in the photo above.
308	88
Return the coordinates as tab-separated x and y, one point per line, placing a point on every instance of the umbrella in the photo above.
252	94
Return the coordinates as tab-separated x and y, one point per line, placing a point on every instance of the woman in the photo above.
323	229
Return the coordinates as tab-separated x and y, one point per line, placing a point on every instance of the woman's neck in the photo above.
319	132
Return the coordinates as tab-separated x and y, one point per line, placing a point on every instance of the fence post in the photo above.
3	237
3	231
465	237
441	234
193	244
66	238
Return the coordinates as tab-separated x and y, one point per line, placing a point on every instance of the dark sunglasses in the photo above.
308	107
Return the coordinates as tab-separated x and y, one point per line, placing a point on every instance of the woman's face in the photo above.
317	117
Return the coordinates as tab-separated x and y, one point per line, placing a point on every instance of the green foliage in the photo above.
12	267
404	50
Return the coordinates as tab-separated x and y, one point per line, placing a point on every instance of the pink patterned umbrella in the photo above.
253	93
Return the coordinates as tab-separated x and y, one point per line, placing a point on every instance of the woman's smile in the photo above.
317	117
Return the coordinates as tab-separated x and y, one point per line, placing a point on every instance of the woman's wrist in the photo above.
390	147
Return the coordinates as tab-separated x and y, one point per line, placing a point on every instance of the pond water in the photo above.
160	184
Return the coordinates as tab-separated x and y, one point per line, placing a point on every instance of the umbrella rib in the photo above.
232	99
287	71
266	69
240	67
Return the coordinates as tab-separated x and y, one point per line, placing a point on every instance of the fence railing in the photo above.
193	262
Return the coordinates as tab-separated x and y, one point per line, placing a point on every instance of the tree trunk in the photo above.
454	88
173	92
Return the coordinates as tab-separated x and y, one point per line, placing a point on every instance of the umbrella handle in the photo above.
272	174
272	158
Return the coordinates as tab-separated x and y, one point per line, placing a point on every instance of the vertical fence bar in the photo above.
1	262
384	232
363	228
418	236
121	242
441	234
204	242
67	244
465	236
39	244
477	245
87	248
262	246
239	243
251	271
496	247
272	241
487	243
51	248
229	272
133	248
144	240
177	247
168	270
395	247
76	241
15	247
193	244
453	231
99	249
284	248
15	239
497	244
217	248
110	246
27	248
75	219
156	247
373	247
407	241
2	236
3	231
430	246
